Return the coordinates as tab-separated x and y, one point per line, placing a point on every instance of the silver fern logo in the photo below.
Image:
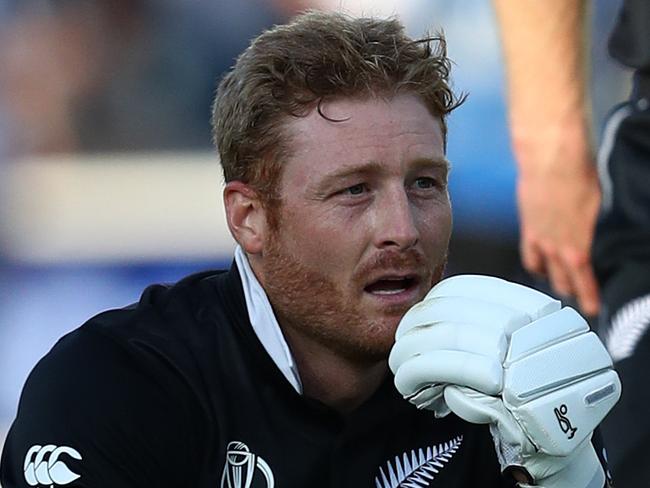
629	325
417	468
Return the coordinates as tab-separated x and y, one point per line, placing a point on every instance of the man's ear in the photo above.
245	215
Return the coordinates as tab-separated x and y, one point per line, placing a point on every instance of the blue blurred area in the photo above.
483	173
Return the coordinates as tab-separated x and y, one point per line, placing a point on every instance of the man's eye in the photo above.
425	183
355	189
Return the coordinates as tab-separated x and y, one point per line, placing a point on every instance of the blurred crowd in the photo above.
123	75
118	75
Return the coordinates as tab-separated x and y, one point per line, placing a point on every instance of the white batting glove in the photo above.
517	361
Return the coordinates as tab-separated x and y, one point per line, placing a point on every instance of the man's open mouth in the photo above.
391	286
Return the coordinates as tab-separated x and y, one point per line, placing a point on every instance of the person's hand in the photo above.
500	353
558	197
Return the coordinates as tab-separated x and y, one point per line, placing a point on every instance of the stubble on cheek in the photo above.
307	300
311	303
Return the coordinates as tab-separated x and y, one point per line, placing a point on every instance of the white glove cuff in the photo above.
584	471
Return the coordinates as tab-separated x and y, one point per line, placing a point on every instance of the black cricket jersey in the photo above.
178	391
629	43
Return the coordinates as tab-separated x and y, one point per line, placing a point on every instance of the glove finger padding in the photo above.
470	314
449	336
477	371
434	310
520	298
451	322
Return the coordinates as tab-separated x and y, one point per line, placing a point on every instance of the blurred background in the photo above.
108	181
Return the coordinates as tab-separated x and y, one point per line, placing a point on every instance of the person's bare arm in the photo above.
557	186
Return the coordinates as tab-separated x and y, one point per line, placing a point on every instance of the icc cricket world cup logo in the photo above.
241	467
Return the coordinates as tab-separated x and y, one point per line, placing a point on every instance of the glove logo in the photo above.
565	423
241	466
42	465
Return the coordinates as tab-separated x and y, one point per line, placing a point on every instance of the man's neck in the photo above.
339	382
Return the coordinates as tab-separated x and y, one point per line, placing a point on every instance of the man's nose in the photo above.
396	223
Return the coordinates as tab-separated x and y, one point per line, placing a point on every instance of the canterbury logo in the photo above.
419	468
42	465
242	466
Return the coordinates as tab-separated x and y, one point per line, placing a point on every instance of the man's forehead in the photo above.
366	124
361	136
379	167
352	111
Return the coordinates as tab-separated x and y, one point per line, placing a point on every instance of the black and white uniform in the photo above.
194	386
622	250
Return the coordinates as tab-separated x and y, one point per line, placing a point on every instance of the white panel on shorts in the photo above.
609	135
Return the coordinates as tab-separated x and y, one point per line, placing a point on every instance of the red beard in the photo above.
316	307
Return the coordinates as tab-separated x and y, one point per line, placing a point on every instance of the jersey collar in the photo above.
265	325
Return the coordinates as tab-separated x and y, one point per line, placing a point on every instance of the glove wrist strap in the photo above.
585	471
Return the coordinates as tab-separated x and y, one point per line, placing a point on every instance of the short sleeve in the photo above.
94	414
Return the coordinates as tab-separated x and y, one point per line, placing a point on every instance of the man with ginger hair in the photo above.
331	133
